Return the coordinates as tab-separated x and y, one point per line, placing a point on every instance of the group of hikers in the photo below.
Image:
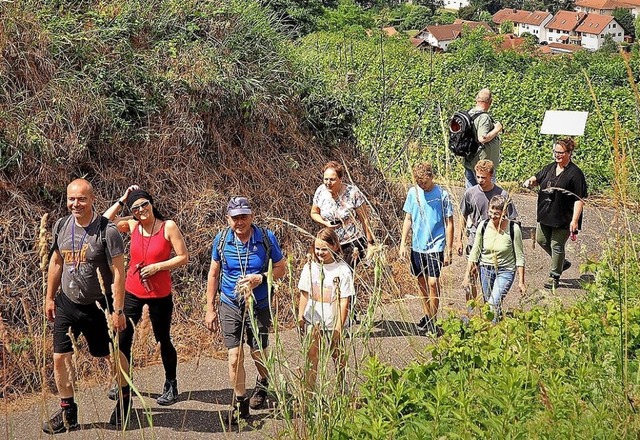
87	265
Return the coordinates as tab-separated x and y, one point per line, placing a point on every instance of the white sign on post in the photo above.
566	123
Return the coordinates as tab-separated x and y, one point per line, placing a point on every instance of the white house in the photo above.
634	7
602	7
455	5
440	36
593	29
515	16
534	24
562	27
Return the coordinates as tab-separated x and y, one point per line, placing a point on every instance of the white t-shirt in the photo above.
323	306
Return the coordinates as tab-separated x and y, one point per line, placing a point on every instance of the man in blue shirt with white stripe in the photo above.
239	270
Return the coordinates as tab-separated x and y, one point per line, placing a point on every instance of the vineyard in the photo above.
402	99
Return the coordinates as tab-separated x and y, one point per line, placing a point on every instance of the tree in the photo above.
625	19
417	18
347	15
301	16
506	27
467	13
444	17
554	6
433	5
608	45
491	6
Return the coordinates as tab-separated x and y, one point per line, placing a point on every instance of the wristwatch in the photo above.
119	312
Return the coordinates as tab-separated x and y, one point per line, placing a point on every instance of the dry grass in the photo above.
191	160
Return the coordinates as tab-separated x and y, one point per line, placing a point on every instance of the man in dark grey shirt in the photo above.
86	248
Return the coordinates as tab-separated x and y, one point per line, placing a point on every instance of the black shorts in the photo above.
86	319
426	264
234	330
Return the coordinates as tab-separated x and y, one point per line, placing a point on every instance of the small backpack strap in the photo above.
220	248
483	227
61	224
267	247
103	238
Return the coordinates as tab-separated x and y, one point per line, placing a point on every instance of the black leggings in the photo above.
160	311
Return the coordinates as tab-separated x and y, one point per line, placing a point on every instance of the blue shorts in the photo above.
426	264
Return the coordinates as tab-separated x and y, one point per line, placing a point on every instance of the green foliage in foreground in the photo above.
546	373
403	99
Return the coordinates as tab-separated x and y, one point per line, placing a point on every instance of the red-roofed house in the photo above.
515	16
441	36
559	48
602	7
525	21
593	29
562	27
634	6
535	23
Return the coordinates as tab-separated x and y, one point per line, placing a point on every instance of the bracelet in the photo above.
121	203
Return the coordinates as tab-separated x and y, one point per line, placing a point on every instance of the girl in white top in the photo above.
326	288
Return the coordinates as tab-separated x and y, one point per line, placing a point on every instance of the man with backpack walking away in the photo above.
487	135
238	272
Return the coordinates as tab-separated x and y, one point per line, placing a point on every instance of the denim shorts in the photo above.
426	264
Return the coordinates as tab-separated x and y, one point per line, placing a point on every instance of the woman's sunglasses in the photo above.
140	207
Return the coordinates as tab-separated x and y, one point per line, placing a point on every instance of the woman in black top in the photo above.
563	189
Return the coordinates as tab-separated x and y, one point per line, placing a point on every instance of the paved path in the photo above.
392	337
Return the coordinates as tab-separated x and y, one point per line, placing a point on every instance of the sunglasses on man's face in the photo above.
140	207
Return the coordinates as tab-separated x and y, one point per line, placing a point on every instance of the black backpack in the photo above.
463	139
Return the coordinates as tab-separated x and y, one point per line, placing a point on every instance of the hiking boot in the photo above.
169	393
113	393
259	396
239	411
552	283
65	419
117	418
566	265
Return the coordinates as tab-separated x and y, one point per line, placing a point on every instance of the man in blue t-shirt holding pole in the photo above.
239	271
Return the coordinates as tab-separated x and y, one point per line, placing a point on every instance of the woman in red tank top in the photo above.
156	248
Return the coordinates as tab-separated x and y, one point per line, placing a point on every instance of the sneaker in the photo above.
552	283
239	411
259	396
65	419
113	393
566	265
426	325
117	418
169	393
